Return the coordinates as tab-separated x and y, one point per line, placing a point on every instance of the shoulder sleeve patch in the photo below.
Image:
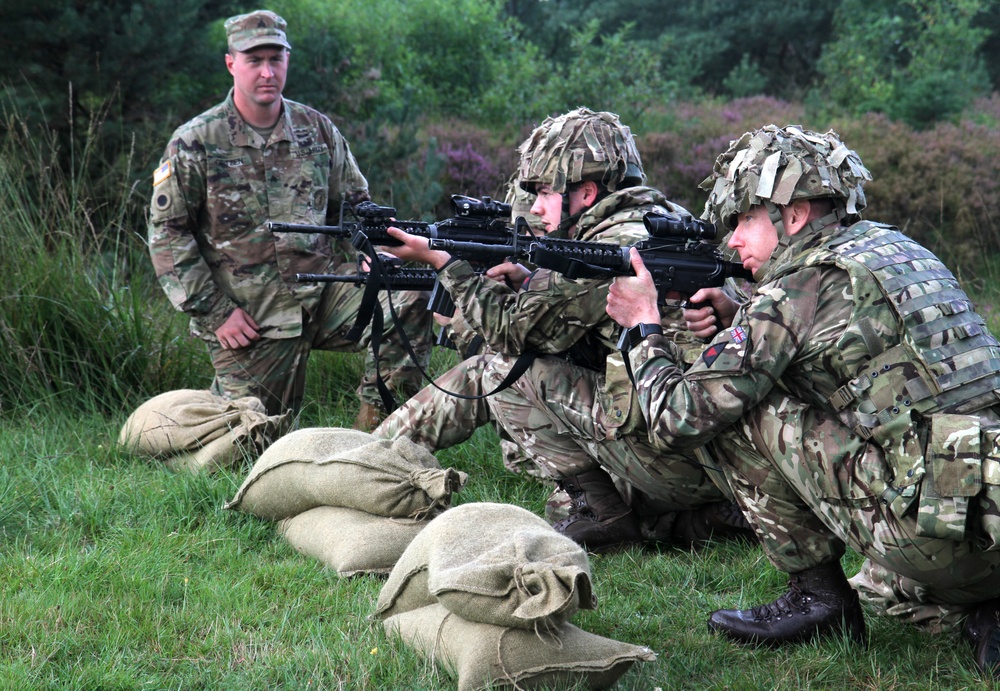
728	352
162	173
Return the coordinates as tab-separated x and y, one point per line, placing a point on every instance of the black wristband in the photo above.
634	336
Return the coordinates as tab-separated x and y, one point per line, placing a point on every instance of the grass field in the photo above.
117	574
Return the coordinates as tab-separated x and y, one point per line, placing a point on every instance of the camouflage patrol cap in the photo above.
780	165
580	145
260	28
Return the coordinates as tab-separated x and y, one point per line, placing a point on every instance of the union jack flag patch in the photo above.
738	334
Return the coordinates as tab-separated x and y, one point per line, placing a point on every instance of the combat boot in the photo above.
599	519
721	520
982	629
369	417
819	602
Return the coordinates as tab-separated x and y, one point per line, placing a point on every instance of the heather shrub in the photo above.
680	154
938	185
477	161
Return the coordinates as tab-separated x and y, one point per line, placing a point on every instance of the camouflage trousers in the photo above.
553	411
805	481
274	369
437	419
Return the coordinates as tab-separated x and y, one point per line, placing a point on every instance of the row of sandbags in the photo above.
485	590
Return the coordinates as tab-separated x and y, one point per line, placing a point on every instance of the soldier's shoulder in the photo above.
203	128
300	113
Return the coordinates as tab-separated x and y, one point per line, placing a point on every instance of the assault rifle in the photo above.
475	220
394	276
484	221
678	253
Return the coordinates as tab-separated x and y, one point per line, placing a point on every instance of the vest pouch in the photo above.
954	476
989	499
900	441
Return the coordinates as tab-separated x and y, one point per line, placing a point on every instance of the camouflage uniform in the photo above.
436	418
218	183
572	417
853	401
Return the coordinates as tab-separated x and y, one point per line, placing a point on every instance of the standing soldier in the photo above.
259	157
853	400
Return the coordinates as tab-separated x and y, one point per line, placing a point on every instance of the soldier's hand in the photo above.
238	331
632	299
510	273
415	249
705	321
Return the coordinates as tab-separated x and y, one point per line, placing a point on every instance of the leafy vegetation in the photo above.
116	574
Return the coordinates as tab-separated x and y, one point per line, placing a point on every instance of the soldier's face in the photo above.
548	207
259	74
755	237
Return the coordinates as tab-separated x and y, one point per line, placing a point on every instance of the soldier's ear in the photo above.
589	192
796	216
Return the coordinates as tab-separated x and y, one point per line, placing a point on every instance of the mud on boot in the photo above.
819	602
369	417
599	519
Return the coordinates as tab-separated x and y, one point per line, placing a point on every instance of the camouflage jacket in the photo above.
554	315
217	185
808	329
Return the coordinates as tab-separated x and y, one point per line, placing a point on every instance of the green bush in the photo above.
938	185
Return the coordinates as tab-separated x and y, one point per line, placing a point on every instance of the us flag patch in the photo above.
161	173
738	334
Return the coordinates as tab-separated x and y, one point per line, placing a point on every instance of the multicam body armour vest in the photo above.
925	395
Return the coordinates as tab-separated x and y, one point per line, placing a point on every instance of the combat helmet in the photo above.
580	145
774	166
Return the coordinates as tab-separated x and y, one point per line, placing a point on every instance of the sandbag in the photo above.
491	563
349	541
330	466
483	655
197	431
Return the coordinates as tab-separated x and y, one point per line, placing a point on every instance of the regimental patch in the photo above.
738	334
713	353
162	173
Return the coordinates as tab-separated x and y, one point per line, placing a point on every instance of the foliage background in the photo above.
434	96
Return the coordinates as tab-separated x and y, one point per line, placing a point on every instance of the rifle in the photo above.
483	221
394	276
678	254
475	220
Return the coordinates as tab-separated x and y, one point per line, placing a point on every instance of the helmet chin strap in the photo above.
835	217
569	220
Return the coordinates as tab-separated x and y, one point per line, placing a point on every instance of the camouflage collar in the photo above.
242	134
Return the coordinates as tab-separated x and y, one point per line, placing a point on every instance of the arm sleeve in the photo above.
684	410
548	315
175	214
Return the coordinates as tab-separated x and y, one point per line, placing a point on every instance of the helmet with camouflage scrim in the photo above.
580	145
774	166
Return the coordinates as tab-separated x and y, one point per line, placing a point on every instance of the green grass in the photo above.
117	574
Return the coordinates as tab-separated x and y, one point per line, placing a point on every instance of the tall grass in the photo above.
82	322
116	574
